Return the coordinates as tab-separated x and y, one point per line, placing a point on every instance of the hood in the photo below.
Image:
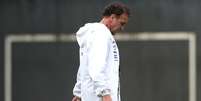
83	33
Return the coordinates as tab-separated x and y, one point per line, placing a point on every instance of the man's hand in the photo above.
107	98
75	98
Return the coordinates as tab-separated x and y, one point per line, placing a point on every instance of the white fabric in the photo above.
99	63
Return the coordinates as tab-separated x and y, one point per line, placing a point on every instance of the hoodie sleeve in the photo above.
77	87
98	53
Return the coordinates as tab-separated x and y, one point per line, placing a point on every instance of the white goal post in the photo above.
145	36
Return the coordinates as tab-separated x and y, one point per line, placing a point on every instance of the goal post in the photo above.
143	36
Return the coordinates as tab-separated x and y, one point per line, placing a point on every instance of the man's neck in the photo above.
105	22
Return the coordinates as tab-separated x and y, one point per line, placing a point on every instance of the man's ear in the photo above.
113	16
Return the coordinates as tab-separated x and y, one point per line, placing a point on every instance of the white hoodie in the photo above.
98	73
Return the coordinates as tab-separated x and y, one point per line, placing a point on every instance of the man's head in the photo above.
115	16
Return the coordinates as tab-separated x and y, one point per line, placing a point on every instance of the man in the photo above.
98	74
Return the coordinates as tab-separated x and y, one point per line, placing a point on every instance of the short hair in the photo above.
116	8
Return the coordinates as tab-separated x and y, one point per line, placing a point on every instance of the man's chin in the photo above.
116	31
113	33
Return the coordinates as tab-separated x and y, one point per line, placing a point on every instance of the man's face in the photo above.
118	22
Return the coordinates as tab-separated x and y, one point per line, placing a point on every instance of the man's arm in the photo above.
77	87
97	66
